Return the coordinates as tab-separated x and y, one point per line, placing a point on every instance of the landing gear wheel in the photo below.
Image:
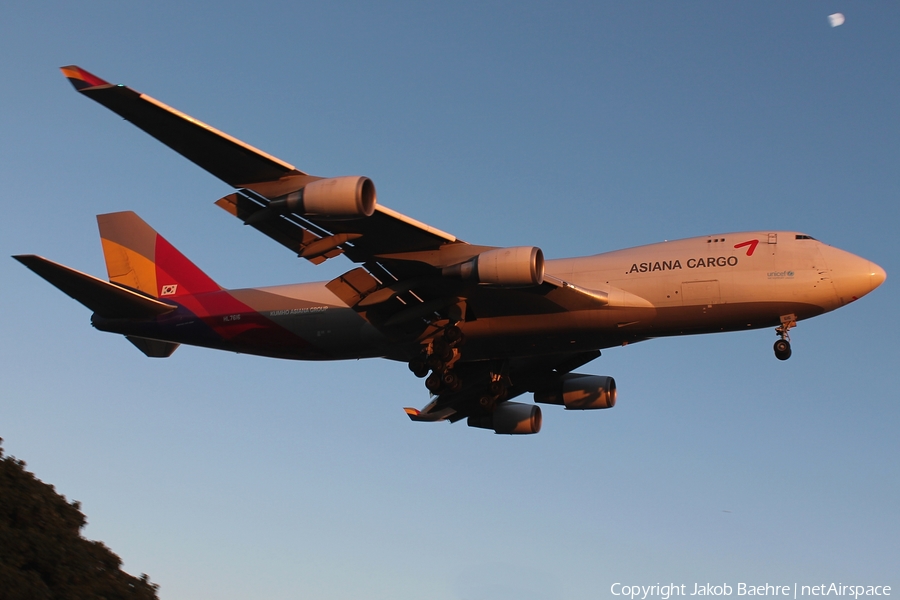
453	335
434	363
783	346
418	367
452	381
433	383
782	349
441	349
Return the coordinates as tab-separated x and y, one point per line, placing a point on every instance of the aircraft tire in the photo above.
782	349
453	335
418	367
441	348
433	383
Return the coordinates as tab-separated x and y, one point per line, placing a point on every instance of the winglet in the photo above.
81	79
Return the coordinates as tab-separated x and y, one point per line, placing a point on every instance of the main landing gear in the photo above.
439	358
783	346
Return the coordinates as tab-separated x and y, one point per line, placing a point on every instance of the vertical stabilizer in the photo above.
138	257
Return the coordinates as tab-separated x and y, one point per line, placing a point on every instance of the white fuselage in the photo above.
724	282
733	268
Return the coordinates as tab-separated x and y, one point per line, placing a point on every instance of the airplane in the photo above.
481	324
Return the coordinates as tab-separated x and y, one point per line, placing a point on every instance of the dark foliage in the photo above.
42	553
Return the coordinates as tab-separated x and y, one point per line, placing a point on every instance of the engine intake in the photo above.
517	266
348	197
580	392
510	418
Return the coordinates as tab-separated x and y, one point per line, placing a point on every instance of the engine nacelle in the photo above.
335	198
510	418
518	266
580	392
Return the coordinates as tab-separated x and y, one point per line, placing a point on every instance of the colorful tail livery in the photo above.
158	299
141	259
482	325
141	265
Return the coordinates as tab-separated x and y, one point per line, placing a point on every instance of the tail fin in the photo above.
138	257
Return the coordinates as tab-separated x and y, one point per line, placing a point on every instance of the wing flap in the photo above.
386	233
284	229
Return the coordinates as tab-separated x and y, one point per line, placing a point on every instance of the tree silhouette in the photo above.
42	553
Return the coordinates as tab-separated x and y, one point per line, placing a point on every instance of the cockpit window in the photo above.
800	236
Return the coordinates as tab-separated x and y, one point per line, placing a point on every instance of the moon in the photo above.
836	20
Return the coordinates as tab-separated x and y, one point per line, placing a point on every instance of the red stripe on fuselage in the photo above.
241	326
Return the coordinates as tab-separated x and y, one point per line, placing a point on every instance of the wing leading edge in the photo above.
231	160
261	178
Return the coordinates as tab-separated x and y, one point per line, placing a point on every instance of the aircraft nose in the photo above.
876	275
853	276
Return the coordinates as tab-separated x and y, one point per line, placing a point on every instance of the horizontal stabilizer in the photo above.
106	299
153	348
429	416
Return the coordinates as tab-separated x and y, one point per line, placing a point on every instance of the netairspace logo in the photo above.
667	591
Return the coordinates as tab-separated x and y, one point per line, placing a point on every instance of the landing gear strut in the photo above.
783	346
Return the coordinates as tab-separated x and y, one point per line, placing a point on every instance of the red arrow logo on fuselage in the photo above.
752	246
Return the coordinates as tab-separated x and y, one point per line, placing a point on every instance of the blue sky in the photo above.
577	127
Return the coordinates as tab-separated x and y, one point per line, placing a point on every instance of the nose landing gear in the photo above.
782	349
783	346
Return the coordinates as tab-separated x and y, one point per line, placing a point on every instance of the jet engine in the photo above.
510	418
580	392
335	198
518	266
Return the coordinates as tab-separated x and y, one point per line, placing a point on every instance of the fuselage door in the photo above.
701	292
773	238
